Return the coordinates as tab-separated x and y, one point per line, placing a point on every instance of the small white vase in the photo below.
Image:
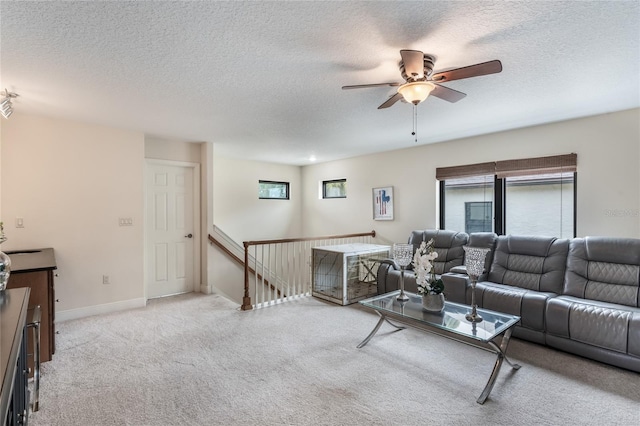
433	302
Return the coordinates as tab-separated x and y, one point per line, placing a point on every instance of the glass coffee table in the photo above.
449	323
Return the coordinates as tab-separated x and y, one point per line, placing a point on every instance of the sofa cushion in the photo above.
529	305
530	262
448	245
525	273
606	325
604	269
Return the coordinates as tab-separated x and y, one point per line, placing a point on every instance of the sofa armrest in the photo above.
460	269
386	265
455	287
390	262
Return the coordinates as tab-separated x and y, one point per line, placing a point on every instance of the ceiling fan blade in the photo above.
392	100
447	93
476	70
413	63
363	86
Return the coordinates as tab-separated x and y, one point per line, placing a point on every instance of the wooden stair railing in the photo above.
239	261
248	270
246	300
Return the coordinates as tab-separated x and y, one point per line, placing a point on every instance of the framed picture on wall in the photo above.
383	203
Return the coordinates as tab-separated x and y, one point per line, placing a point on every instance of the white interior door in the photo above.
170	230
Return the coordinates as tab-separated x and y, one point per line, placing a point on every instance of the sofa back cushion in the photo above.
604	269
448	245
531	262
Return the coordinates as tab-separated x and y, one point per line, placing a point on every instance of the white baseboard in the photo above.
216	290
106	308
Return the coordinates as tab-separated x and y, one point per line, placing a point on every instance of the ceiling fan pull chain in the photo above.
415	123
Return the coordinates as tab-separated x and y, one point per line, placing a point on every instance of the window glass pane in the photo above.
273	190
540	205
468	204
478	217
334	188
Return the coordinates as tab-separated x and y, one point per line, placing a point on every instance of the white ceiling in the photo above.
263	80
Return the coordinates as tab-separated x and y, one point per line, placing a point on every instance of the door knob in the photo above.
189	236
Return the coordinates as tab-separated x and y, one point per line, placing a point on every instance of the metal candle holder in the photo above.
474	260
402	255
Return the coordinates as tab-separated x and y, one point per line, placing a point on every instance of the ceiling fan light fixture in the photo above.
416	91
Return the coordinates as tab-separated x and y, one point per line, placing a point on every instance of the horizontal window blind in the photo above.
455	172
536	166
506	168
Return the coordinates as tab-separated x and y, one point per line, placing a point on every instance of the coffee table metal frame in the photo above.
450	323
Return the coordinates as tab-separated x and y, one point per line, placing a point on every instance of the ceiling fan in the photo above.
416	69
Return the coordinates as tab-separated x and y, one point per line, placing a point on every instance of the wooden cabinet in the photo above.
35	269
41	285
14	393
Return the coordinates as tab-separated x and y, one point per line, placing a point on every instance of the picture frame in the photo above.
383	203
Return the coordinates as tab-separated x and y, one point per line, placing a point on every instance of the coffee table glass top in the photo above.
451	319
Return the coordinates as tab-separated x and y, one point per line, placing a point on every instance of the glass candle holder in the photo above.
402	255
474	261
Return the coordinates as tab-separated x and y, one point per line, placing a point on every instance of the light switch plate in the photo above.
125	221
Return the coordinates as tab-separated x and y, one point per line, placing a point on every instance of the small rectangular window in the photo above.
336	188
270	190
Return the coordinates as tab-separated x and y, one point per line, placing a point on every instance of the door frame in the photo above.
197	250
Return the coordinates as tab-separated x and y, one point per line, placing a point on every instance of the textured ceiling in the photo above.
263	80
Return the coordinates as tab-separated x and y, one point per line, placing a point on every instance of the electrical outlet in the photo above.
125	221
105	279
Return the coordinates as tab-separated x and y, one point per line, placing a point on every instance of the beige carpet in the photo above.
197	360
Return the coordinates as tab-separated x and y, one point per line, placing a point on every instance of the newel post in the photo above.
246	300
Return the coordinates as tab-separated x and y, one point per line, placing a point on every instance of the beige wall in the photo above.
239	213
237	209
608	148
162	149
70	182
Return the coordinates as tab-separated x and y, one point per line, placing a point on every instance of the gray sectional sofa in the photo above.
579	295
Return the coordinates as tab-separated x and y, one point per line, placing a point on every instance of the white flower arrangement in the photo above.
423	269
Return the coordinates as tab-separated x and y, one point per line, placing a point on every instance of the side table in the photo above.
346	273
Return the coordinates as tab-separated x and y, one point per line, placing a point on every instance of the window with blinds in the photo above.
532	196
